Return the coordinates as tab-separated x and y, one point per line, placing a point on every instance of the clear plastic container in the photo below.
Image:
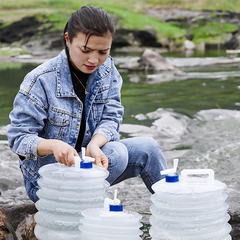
64	193
116	224
193	207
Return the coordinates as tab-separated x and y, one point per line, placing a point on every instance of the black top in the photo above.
80	92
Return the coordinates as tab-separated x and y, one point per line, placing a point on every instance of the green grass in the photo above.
9	52
227	5
69	4
139	5
130	14
9	65
136	21
212	30
58	19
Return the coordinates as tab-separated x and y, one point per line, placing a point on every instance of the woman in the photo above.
73	101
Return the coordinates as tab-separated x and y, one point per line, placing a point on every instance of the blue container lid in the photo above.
84	164
116	208
172	177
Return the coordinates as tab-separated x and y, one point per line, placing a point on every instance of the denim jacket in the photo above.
46	106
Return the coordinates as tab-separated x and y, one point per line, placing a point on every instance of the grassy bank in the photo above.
227	5
135	5
130	14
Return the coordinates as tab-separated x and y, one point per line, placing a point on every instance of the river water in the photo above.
195	117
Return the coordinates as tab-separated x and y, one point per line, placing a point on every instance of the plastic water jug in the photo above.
192	206
110	223
64	192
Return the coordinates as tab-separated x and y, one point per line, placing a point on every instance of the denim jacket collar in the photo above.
64	80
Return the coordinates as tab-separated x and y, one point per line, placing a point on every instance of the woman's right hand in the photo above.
63	152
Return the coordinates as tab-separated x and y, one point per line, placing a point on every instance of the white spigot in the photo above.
115	200
86	158
108	201
171	170
77	161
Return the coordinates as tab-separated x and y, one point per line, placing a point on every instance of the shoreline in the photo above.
17	222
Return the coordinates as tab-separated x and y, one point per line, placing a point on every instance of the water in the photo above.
195	117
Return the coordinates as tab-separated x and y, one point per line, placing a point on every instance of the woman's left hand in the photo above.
93	150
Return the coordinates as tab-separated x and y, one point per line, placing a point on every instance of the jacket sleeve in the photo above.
113	110
27	120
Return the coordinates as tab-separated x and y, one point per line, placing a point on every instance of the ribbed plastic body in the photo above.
64	193
193	208
105	225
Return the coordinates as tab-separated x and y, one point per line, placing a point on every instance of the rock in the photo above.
235	223
190	19
47	43
235	217
33	27
233	42
17	222
124	38
27	27
152	60
6	229
189	45
22	31
147	38
167	15
120	42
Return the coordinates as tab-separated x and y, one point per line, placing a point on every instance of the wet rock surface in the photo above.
235	223
152	60
17	222
19	30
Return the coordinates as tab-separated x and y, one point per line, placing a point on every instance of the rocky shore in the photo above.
33	35
17	222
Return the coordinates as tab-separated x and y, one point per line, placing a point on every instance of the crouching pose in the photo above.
74	101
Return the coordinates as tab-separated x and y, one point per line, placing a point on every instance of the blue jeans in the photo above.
132	157
127	158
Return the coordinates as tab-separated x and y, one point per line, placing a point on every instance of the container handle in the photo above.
188	172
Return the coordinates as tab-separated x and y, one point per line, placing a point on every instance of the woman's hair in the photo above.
90	21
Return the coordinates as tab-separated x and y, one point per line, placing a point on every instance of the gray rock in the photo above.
17	222
189	45
152	60
235	223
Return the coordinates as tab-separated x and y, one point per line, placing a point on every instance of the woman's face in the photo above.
90	57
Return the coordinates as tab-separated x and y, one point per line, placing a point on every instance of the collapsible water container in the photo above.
192	206
110	223
64	192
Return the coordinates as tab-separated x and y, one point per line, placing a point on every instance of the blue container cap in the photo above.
172	177
85	165
116	208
